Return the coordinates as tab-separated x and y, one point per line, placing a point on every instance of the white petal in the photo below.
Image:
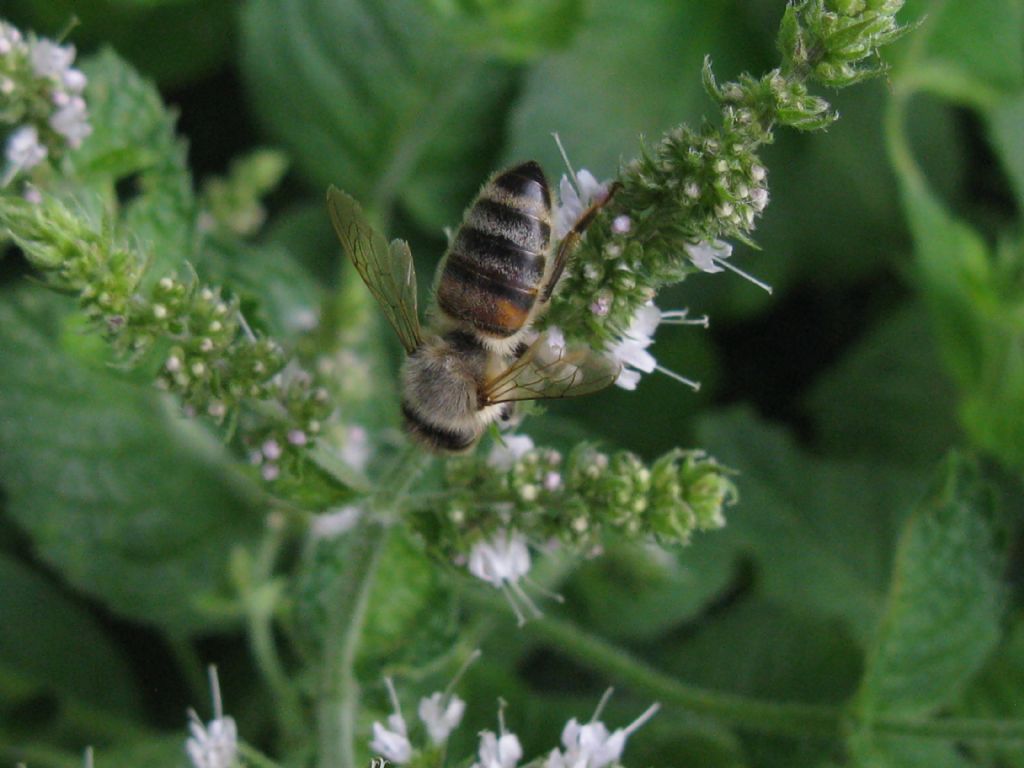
23	148
571	734
645	322
49	59
628	379
590	188
509	750
504	457
440	722
334	522
569	208
502	558
390	745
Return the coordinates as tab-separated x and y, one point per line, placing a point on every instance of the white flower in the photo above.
214	745
49	59
72	122
498	751
573	203
271	449
503	457
356	449
24	150
630	351
74	80
392	742
441	715
503	558
711	256
334	522
706	256
10	38
554	345
622	224
591	745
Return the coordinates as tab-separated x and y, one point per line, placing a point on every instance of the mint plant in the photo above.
200	437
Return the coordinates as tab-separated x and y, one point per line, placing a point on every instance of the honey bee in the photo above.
471	362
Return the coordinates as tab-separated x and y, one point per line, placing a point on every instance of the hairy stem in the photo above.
747	713
756	715
339	693
347	604
264	647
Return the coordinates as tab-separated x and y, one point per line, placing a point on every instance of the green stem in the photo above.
191	667
254	757
263	646
749	714
347	604
339	693
973	730
755	715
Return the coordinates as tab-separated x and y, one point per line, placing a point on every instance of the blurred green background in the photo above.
895	332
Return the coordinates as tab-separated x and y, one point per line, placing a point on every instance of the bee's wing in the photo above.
533	376
387	270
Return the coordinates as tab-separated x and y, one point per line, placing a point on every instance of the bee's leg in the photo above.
571	240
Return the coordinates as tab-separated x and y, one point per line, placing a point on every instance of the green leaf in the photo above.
134	143
976	301
516	30
278	295
943	609
771	650
51	645
896	752
156	752
634	69
889	398
173	41
763	647
1004	121
129	502
305	231
819	531
377	98
414	618
998	692
637	594
966	52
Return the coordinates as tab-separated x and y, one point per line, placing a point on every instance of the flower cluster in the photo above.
214	745
440	713
43	113
591	745
233	203
208	354
836	42
676	205
588	745
522	494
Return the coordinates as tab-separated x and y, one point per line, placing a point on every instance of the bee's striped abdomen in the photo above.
497	259
436	437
